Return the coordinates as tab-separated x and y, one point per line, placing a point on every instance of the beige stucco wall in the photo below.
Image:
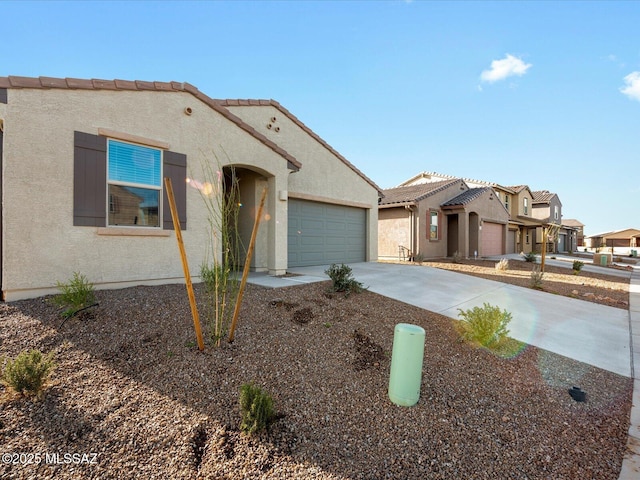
394	229
41	245
546	211
438	248
323	176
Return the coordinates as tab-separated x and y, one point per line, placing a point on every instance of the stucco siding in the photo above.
394	230
323	177
42	246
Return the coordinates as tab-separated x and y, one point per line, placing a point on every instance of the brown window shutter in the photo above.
89	180
175	167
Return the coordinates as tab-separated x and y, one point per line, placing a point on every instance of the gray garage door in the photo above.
322	234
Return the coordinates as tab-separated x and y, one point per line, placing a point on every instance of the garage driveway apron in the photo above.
590	333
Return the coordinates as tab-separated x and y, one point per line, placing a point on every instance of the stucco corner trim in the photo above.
127	137
133	232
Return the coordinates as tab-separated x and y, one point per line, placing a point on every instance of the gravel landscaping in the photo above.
132	392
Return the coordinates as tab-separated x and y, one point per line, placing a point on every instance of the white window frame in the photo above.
526	206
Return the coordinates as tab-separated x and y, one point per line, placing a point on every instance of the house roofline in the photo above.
297	121
16	82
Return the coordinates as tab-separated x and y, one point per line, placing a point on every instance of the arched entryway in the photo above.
243	189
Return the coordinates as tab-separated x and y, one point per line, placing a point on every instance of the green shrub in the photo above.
456	258
28	373
75	295
536	278
256	408
486	325
577	266
530	257
343	280
502	265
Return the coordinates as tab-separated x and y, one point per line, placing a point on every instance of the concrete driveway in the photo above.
585	331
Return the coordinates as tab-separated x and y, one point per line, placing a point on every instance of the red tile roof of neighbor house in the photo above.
414	193
214	104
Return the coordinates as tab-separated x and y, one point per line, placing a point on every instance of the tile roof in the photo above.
294	119
96	84
414	193
572	222
542	196
519	188
466	197
451	177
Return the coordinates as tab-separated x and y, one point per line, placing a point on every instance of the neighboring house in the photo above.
526	218
578	228
548	209
627	238
83	163
439	218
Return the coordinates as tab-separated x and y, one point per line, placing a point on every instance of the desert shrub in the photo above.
502	265
256	407
486	325
28	373
220	193
418	258
76	294
536	278
577	266
343	280
456	258
530	257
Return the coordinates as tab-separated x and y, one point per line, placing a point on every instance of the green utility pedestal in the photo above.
406	364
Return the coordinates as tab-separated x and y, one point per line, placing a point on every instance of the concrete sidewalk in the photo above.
631	463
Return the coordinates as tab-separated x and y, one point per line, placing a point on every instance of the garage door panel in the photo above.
492	239
311	241
321	234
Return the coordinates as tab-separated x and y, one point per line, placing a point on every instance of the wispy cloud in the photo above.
507	67
632	90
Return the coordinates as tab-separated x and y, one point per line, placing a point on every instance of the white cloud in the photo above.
632	90
507	67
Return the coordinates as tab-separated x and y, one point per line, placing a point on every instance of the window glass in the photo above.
133	206
433	231
133	164
134	184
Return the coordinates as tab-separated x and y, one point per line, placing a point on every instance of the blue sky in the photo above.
540	93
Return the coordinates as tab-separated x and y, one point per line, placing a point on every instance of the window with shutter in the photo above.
118	183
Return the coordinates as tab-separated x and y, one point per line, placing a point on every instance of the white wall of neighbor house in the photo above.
323	177
41	244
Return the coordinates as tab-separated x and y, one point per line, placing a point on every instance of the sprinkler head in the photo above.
577	394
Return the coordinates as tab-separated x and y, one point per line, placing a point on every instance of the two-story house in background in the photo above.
484	231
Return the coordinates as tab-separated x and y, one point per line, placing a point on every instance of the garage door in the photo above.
322	234
491	239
